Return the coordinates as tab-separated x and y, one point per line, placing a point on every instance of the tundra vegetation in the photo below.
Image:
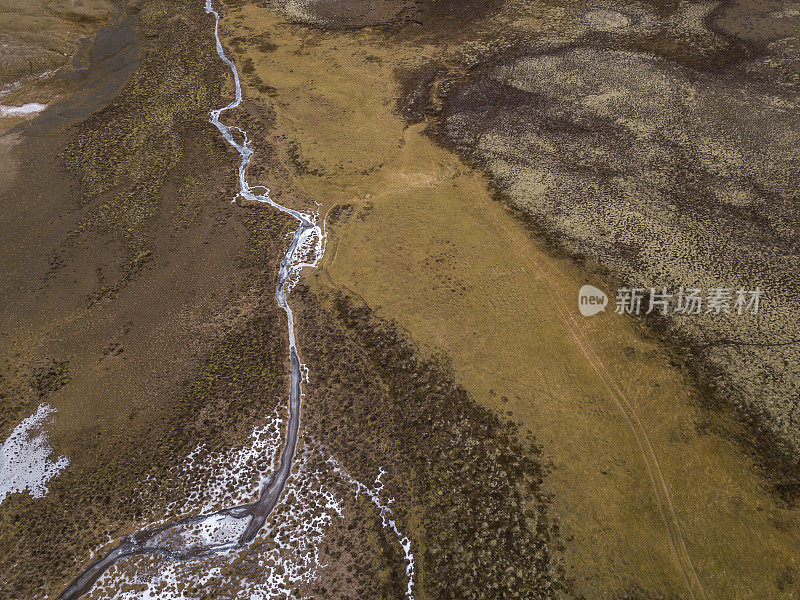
468	484
141	355
466	154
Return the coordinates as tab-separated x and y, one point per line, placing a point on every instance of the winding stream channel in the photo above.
306	250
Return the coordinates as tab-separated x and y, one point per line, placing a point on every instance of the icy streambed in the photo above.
26	110
228	534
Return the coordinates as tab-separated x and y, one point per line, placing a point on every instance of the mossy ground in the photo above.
44	542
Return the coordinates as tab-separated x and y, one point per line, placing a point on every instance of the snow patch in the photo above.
25	110
283	555
212	481
25	463
386	516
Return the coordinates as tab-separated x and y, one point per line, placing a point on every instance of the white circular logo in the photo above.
591	300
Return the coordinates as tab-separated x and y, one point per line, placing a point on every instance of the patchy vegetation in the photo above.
123	154
468	484
417	226
670	170
146	165
50	377
42	543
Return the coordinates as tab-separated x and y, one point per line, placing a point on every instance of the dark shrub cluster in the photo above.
468	484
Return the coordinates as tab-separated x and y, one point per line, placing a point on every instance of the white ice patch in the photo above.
284	555
26	110
31	108
15	85
25	463
212	481
216	529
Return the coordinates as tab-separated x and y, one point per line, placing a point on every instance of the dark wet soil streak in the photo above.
99	71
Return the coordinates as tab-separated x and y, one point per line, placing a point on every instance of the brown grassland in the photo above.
532	452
